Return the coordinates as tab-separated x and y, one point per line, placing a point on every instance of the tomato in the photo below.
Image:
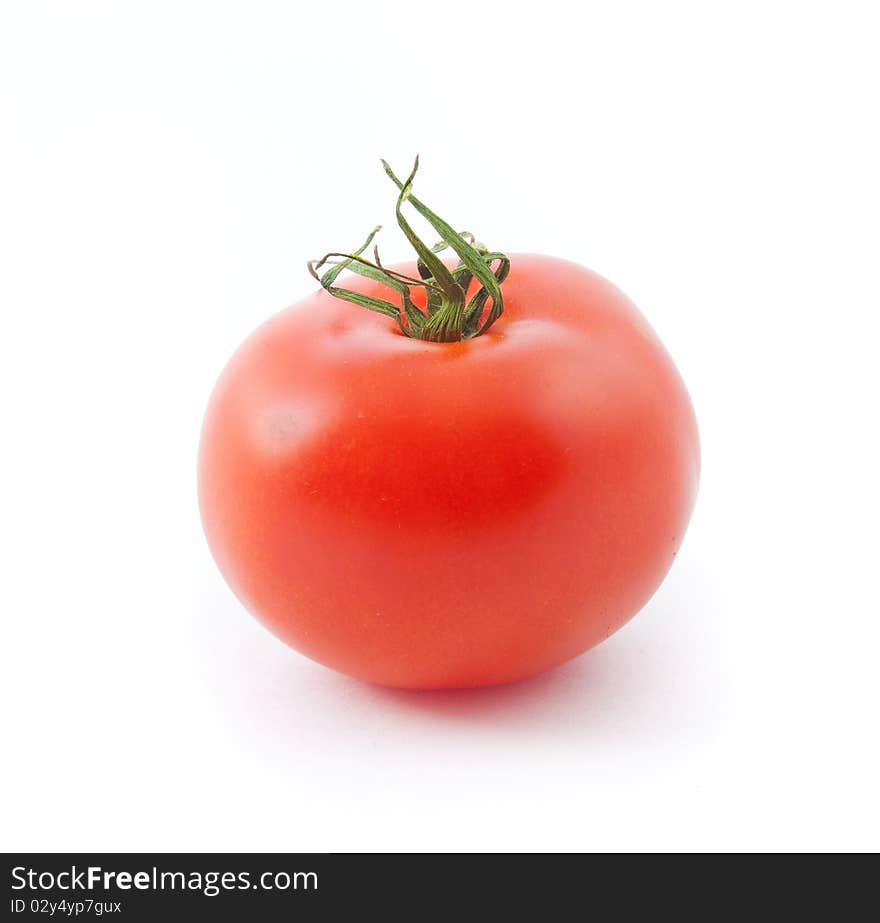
436	515
450	514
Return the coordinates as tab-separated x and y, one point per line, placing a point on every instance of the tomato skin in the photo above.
436	515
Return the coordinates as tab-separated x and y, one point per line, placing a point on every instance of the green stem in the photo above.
448	315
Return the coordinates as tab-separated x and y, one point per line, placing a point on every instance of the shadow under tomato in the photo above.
620	685
490	700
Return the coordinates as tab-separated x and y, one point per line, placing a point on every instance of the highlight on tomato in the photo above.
450	472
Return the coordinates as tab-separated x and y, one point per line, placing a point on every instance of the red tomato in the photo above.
432	515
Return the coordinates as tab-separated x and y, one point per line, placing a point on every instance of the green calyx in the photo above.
448	315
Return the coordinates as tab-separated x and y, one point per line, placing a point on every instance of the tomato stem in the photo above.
448	315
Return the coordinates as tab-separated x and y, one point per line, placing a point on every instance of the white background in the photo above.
166	171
